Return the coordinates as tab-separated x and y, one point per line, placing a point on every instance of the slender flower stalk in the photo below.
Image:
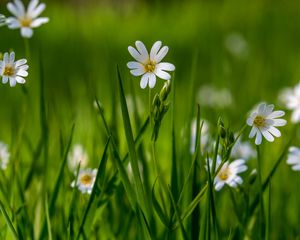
26	19
149	65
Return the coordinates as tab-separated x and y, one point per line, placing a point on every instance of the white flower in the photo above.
228	173
2	20
264	122
243	150
291	98
237	45
26	19
149	66
294	158
13	71
86	180
76	156
204	135
4	155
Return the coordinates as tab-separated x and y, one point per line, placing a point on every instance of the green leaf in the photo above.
8	221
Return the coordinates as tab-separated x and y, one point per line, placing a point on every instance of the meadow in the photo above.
229	56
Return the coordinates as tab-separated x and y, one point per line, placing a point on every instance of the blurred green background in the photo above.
250	48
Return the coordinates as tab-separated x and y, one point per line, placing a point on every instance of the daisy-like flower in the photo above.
86	180
4	155
13	71
294	158
243	150
149	66
26	19
264	122
2	20
291	98
76	156
228	173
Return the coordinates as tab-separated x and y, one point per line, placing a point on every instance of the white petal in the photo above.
152	80
162	74
20	62
32	5
37	11
274	131
4	79
269	109
237	163
22	73
161	54
253	132
258	138
135	54
12	57
134	65
23	67
142	50
279	122
261	108
296	116
38	22
250	121
6	58
268	135
15	10
20	80
13	23
276	114
20	6
296	167
12	81
144	80
26	32
154	50
137	72
166	66
219	186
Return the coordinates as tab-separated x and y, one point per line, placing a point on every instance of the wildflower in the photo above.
149	66
86	180
237	45
2	20
26	19
76	156
264	122
4	155
291	98
294	158
228	173
204	135
13	71
243	150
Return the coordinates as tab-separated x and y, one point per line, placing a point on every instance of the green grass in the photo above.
73	61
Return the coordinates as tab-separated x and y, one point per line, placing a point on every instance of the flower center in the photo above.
224	174
259	121
9	70
150	66
25	22
86	179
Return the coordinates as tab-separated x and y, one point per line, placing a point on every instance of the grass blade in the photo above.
8	221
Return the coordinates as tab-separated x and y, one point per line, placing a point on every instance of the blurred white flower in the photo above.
2	20
204	135
228	173
263	121
13	71
76	156
149	66
26	19
294	158
291	98
86	180
211	97
237	45
4	155
243	150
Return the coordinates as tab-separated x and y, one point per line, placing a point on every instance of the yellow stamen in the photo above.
224	174
86	179
150	66
25	22
9	70
259	121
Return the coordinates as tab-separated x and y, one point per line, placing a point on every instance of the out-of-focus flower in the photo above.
149	66
86	180
2	20
291	98
76	156
216	98
4	155
228	173
237	45
264	122
26	19
294	158
204	135
243	150
13	71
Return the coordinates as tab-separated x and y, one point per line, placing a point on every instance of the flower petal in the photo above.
155	48
144	81
26	32
37	11
39	21
32	5
4	79
142	50
258	138
135	54
12	57
253	131
12	81
166	66
279	122
137	72
219	185
152	80
134	65
20	80
162	74
12	23
276	114
161	54
22	73
20	62
274	131
267	135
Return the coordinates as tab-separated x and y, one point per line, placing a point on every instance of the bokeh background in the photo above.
247	50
